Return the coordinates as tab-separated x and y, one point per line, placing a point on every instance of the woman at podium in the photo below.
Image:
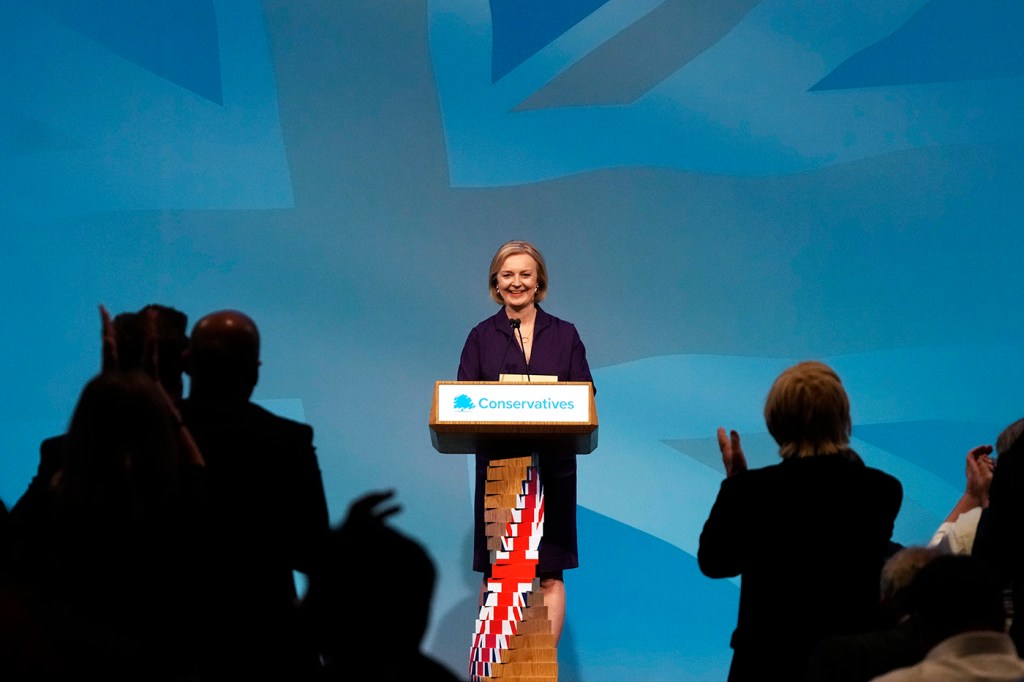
523	340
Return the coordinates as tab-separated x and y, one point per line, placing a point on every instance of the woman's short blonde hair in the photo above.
513	248
808	412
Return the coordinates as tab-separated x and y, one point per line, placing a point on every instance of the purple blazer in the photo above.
557	351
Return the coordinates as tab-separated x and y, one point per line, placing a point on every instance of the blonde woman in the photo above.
808	536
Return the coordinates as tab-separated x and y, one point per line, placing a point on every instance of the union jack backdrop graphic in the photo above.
751	88
719	190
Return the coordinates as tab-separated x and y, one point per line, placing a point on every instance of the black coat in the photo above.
269	517
808	537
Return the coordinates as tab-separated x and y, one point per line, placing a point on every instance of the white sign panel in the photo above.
513	403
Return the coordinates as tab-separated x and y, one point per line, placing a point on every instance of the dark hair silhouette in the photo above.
114	547
371	579
121	445
370	595
954	594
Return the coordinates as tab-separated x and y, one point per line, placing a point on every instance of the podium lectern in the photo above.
514	423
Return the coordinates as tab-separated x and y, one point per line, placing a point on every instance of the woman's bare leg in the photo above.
553	590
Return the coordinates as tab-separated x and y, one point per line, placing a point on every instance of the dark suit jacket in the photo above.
809	537
269	515
267	490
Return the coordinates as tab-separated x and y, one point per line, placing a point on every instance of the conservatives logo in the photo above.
463	403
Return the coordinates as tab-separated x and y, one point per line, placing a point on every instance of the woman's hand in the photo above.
732	453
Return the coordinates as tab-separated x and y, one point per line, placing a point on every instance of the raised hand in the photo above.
980	467
732	452
367	511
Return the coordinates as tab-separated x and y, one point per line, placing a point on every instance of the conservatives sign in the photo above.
519	402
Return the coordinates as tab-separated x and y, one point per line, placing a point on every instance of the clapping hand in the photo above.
980	467
732	453
366	511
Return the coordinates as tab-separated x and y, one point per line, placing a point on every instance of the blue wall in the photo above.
717	193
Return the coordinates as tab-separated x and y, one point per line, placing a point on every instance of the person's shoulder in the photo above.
53	441
856	472
882	479
548	318
497	320
51	450
752	489
842	471
248	417
883	490
561	326
257	412
759	477
769	471
487	325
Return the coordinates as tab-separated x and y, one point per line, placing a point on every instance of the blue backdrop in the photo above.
718	192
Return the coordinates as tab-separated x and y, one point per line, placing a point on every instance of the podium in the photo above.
514	423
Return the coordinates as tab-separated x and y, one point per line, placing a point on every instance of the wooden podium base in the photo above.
513	639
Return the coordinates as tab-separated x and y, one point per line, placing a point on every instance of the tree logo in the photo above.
463	402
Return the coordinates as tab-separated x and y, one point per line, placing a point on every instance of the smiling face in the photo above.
507	251
517	281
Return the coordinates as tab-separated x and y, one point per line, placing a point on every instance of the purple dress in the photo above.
557	351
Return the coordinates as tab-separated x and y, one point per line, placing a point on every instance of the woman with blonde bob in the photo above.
538	344
808	535
808	413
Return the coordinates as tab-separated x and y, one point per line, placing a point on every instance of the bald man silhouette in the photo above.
269	509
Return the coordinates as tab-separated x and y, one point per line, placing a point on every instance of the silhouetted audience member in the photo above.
863	656
808	536
958	607
269	512
1000	534
152	340
110	553
369	599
